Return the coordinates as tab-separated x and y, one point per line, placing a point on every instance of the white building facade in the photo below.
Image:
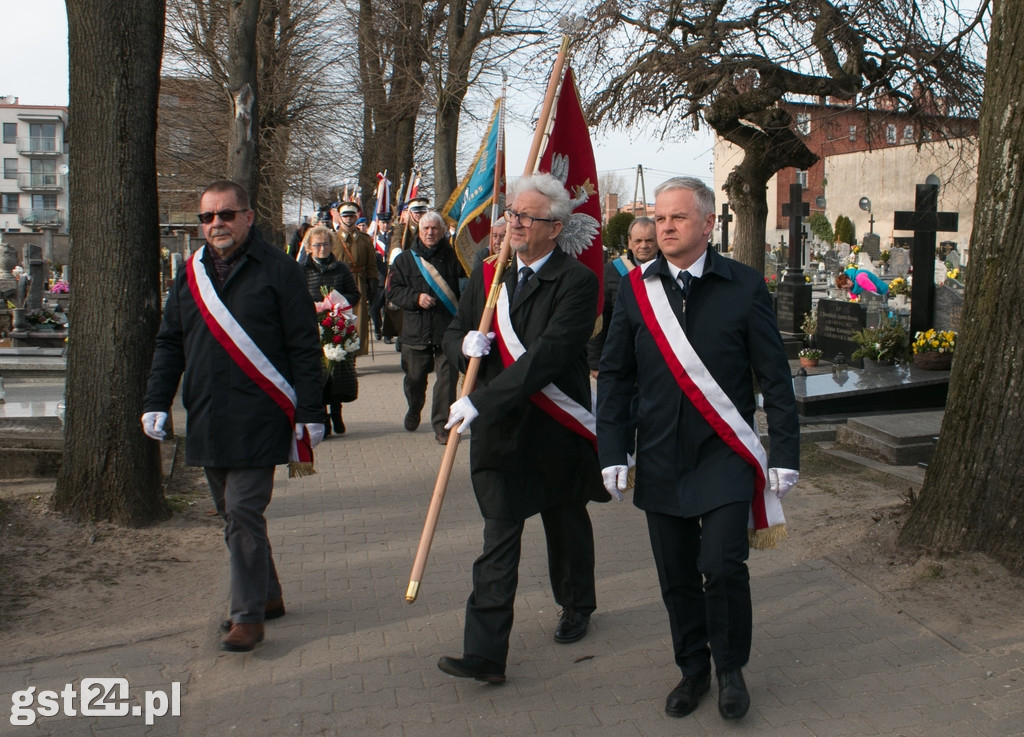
34	184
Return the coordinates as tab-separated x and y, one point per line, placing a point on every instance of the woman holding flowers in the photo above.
326	274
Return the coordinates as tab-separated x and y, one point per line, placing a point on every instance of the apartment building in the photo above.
34	187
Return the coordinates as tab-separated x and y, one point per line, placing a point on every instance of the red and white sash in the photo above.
708	397
563	408
244	352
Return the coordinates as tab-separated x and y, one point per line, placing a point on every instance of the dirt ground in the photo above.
86	584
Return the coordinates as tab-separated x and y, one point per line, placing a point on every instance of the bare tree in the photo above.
730	63
109	469
298	59
974	488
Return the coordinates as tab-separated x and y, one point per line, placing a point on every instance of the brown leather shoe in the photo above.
243	637
274	610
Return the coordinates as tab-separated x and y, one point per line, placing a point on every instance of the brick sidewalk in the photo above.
353	658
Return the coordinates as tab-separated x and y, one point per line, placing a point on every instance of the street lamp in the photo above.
865	204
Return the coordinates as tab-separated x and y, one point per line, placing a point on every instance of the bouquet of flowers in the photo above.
339	335
898	286
772	282
60	287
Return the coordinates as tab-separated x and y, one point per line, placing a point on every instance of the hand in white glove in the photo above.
315	430
153	425
781	480
614	478
476	344
462	410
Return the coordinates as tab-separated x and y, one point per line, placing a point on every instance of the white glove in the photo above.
476	344
781	480
315	430
462	410
153	425
614	478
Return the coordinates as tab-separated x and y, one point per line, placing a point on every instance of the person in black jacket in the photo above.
688	337
525	460
324	272
247	302
424	283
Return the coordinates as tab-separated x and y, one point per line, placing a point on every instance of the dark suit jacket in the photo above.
522	460
683	467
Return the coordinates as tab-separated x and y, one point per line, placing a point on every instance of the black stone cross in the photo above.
725	218
925	221
796	210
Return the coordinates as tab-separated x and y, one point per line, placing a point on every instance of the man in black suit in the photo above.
524	461
688	336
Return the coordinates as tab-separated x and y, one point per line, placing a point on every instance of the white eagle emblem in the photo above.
578	234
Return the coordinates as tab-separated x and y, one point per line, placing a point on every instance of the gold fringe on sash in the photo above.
299	468
767	539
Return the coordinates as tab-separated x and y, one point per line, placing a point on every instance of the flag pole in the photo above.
473	369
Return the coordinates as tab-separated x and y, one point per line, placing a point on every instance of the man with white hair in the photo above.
527	455
424	283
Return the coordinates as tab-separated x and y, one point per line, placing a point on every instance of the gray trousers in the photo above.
241	496
417	363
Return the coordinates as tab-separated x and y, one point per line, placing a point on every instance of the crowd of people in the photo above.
684	336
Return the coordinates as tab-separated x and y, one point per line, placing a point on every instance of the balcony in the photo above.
41	181
40	146
41	218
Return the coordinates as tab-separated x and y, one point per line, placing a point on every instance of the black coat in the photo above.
683	467
420	327
523	461
335	275
332	275
233	423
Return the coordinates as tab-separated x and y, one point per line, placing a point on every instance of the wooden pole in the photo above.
448	460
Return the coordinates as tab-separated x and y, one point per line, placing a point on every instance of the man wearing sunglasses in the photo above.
240	330
527	459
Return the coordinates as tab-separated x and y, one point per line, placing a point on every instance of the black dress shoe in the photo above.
441	438
572	626
733	699
472	666
412	421
685	697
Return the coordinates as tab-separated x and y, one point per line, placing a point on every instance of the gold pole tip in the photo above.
412	592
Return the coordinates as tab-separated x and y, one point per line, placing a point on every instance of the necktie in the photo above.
685	277
524	276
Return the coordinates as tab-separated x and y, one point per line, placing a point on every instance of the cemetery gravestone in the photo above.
837	321
899	262
37	274
949	302
872	246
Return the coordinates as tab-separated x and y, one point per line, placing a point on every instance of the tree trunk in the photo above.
973	493
747	191
109	469
242	86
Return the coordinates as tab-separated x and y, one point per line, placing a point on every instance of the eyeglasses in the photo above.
226	216
320	245
526	221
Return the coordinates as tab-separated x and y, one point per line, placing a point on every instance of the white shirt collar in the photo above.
696	268
536	265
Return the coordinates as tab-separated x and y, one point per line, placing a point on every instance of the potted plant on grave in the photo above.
899	293
810	356
882	345
43	319
933	349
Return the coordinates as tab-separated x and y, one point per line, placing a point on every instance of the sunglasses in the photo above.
226	216
348	214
